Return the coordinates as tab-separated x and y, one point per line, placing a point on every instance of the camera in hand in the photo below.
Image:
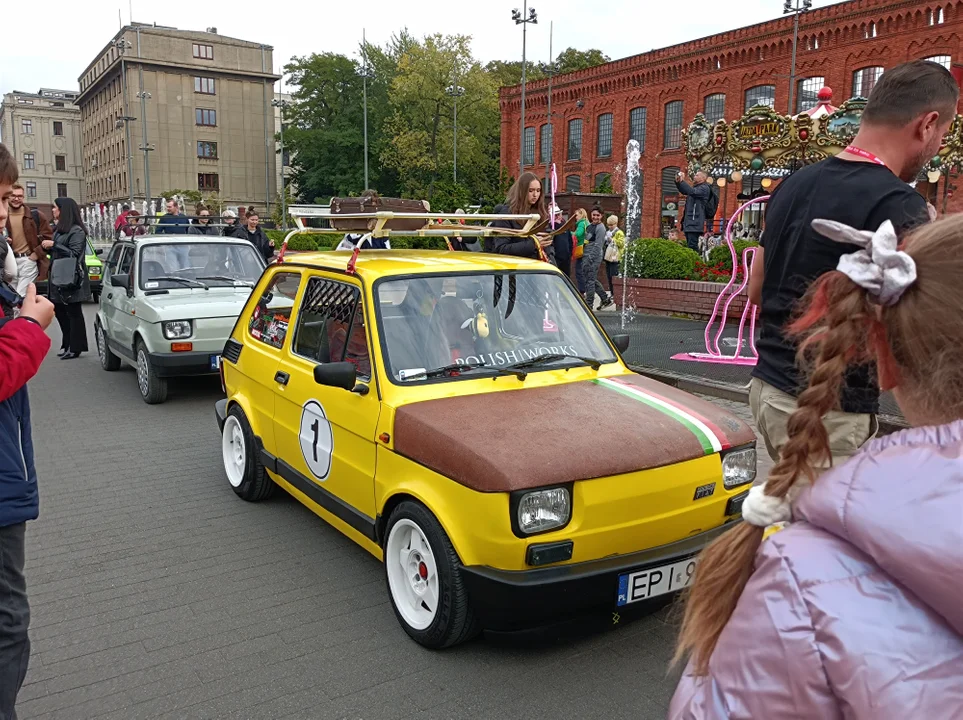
10	297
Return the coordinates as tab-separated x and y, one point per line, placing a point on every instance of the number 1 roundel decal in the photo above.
316	439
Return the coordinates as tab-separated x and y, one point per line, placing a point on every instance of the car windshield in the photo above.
486	322
90	249
201	264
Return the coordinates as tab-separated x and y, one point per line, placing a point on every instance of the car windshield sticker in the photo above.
413	374
708	434
317	440
510	357
151	285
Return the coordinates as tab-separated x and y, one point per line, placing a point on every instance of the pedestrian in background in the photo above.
23	345
562	243
27	228
172	222
901	128
254	234
592	261
69	246
578	249
614	247
203	224
839	594
133	225
229	218
694	217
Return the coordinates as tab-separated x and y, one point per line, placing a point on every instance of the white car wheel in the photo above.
233	450
412	574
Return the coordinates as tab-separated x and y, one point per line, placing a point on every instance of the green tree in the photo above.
419	135
570	59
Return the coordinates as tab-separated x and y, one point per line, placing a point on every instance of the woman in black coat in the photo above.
70	241
524	198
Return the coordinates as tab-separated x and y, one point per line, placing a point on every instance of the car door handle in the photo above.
110	296
281	377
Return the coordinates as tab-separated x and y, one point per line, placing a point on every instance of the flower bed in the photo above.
687	298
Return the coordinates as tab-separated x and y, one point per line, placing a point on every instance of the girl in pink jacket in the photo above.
842	596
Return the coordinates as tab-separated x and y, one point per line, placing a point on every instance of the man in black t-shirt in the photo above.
902	127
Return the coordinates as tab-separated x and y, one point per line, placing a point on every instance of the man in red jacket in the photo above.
23	345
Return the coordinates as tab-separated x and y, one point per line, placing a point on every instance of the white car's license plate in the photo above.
652	582
215	362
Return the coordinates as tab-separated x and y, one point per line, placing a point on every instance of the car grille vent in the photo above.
232	350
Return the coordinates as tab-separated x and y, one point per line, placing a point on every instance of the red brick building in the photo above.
652	97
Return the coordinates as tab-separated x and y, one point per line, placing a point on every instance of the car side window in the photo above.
113	258
331	325
269	321
125	261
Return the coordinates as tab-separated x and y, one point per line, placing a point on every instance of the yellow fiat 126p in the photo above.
464	418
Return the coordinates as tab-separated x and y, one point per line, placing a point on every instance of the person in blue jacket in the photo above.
697	195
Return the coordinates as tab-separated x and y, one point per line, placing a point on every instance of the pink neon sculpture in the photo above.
713	354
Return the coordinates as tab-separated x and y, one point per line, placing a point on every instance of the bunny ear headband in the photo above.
879	267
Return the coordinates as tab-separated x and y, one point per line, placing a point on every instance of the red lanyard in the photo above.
865	154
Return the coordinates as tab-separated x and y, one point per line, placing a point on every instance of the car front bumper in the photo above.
516	599
179	364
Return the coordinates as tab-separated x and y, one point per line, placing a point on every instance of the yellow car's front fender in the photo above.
478	524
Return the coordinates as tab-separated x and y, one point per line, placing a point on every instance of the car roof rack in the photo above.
434	224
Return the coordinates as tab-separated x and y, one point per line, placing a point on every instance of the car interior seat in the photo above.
152	269
449	336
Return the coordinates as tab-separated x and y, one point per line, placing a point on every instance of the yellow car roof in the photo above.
378	263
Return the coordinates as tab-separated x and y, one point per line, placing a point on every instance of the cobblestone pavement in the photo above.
157	593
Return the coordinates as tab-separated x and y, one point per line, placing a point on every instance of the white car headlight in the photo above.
177	329
738	468
543	510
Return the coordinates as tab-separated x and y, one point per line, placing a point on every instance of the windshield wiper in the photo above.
178	278
225	278
542	359
462	367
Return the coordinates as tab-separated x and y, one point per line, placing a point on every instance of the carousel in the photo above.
759	149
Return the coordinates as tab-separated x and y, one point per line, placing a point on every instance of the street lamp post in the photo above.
552	69
281	104
122	46
145	146
366	75
523	18
455	91
796	8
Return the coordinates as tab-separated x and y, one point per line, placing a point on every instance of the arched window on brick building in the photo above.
944	60
574	139
637	126
807	92
714	107
673	125
603	145
864	80
573	183
935	16
529	146
761	95
602	182
545	145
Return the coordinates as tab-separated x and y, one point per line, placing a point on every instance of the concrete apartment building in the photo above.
209	119
42	131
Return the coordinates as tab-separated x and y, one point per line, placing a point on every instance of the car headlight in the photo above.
93	270
738	468
543	510
177	329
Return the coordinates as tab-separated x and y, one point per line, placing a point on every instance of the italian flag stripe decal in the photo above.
708	435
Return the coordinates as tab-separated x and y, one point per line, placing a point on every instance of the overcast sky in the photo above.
49	43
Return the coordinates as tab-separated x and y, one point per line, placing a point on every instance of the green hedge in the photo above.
661	259
721	255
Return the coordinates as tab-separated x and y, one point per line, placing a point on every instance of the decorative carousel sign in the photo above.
763	141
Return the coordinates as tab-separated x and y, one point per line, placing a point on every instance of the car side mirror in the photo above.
98	251
121	280
621	342
342	375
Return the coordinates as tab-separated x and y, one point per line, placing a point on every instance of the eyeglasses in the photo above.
19	197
